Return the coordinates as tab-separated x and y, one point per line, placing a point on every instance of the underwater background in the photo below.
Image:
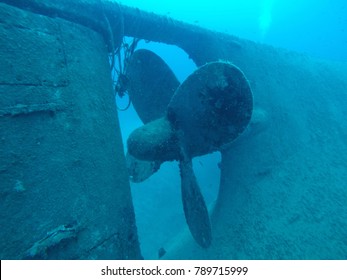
317	28
279	191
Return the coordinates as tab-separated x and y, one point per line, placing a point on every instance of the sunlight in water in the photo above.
265	17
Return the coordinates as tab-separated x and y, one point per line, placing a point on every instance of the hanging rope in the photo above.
117	67
119	59
120	80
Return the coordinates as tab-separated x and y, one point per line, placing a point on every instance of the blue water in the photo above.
317	28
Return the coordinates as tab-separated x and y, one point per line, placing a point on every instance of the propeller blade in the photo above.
194	206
